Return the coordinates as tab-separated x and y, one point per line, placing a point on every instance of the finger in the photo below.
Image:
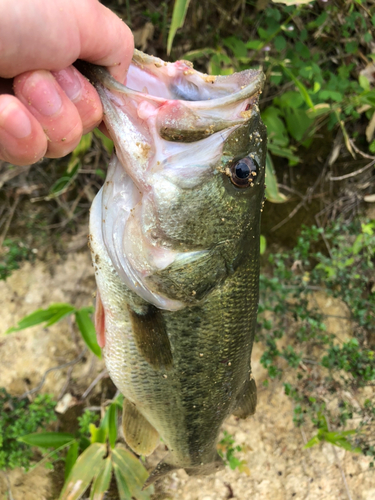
22	140
77	30
83	95
114	48
58	116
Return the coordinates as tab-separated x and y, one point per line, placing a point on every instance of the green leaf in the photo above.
263	244
122	487
284	153
315	440
237	46
130	475
47	439
300	86
87	329
82	148
291	99
330	94
71	458
197	54
279	42
102	481
87	466
272	191
62	184
112	424
276	129
254	44
107	143
178	18
98	434
51	315
338	439
364	82
100	173
297	122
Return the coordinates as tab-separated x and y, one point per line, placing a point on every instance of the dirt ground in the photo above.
272	447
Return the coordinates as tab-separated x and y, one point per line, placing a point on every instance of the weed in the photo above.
228	451
19	417
14	252
329	372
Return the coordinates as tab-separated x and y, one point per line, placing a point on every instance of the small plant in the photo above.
55	313
14	251
90	459
228	453
93	460
19	417
338	439
326	368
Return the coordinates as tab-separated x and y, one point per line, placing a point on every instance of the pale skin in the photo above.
48	105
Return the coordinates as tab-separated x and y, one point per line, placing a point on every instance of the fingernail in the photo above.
15	121
41	94
70	82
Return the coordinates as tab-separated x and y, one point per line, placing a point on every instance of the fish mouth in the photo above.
171	102
169	124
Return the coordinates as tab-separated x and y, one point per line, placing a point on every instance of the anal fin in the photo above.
247	401
139	434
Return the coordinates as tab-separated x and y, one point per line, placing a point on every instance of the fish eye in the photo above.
244	172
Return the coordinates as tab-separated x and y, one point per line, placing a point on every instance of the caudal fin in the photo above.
165	466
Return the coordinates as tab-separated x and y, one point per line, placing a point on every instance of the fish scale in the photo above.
174	234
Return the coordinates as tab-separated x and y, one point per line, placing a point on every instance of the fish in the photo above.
175	237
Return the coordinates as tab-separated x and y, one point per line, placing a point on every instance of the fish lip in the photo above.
100	77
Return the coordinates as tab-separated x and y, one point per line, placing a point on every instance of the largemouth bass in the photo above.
174	235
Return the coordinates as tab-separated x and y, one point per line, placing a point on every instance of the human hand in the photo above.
53	104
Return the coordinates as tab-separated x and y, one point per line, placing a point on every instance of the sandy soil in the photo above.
279	467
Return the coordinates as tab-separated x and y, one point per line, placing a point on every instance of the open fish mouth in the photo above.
169	125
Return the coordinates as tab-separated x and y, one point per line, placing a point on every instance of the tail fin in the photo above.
162	469
206	469
165	466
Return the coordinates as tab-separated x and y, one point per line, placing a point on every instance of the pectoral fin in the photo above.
247	401
151	337
139	434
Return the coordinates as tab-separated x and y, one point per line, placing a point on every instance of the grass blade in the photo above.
47	439
102	481
130	474
87	466
87	329
51	315
272	191
178	17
